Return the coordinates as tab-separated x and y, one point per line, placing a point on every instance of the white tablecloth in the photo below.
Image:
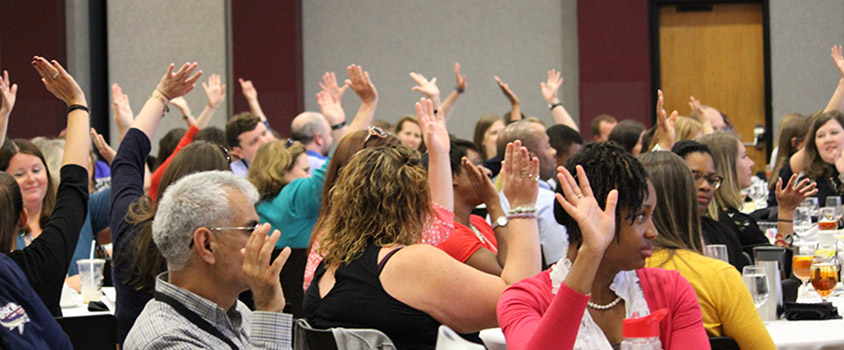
82	309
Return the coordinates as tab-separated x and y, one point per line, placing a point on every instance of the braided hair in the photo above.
608	167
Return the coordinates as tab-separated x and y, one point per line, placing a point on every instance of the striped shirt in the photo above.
160	326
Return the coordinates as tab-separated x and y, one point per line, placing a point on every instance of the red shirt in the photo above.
462	242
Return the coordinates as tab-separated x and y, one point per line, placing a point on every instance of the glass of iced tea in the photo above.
824	276
802	261
826	219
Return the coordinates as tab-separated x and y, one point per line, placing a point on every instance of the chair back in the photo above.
90	332
308	338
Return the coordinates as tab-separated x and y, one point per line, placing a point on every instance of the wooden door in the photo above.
718	57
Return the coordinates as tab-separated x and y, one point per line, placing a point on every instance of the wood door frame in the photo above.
656	75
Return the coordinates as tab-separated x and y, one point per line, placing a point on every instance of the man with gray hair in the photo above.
207	230
314	132
553	238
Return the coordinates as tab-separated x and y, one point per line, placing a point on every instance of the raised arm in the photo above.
788	198
215	93
837	99
8	94
697	113
65	88
172	85
549	93
664	134
123	115
331	104
182	104
484	259
435	136
362	85
451	100
251	95
515	111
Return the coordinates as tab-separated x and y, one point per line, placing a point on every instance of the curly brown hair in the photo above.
386	200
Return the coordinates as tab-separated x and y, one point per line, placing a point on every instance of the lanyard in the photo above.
194	318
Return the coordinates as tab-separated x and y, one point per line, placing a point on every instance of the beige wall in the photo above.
145	36
517	40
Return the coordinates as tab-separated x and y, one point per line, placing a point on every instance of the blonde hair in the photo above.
686	129
724	148
385	198
272	162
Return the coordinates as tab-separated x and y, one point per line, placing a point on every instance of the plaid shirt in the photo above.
159	326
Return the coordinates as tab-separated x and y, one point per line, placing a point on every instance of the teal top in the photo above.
294	211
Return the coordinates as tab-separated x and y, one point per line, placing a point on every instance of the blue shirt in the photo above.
315	161
294	211
27	324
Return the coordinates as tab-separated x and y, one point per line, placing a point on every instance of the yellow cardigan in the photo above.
725	302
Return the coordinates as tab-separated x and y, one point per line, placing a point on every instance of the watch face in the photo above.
501	221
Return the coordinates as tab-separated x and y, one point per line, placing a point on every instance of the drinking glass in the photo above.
834	202
802	220
826	219
812	204
758	192
824	276
716	251
801	263
756	279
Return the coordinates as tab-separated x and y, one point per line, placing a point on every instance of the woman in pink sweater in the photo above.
603	271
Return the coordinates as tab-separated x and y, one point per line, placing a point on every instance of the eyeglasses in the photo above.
226	153
712	179
375	131
246	229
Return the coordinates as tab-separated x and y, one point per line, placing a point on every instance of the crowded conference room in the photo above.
299	174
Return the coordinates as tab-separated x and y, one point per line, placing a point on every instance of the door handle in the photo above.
758	137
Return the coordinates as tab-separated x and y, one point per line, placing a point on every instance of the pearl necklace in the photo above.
604	307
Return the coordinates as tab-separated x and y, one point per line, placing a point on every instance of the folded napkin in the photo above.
803	312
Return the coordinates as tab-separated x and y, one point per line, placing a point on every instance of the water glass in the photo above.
802	220
834	202
812	204
756	279
716	251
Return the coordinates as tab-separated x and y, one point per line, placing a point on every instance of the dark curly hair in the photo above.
608	167
683	148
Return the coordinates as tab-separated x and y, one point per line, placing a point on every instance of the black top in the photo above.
828	186
127	185
28	323
358	300
749	234
785	174
46	260
715	232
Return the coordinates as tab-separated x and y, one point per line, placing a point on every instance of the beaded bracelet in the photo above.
521	213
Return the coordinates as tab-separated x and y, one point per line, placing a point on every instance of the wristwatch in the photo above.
500	222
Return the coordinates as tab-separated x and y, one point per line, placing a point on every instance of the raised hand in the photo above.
215	91
182	105
123	116
181	82
519	176
480	182
8	94
460	79
790	197
261	275
248	89
426	87
329	85
550	86
838	59
330	107
433	127
597	225
507	92
59	82
103	147
361	84
664	126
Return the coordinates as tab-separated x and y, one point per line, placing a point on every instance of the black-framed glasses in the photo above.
226	153
375	131
712	179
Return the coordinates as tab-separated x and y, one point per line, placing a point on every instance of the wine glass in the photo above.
826	219
801	263
716	251
758	192
824	276
756	279
812	204
802	220
834	202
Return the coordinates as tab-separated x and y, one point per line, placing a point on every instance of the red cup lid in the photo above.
643	327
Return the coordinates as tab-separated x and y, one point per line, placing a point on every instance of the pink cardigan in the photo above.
522	307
